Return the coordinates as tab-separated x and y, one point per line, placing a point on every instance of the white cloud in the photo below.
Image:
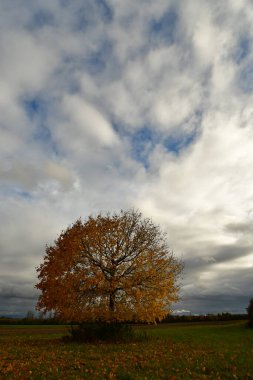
86	122
25	63
58	172
28	175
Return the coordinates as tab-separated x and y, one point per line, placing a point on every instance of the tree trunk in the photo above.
112	302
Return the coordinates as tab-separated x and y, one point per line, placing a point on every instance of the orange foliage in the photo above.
109	268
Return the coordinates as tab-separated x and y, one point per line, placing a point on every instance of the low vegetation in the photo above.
250	314
103	332
213	350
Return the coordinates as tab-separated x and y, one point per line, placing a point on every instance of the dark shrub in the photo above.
250	313
109	332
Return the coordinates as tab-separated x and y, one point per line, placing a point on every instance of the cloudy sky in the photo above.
109	104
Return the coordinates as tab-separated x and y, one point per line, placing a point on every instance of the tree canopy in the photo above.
109	268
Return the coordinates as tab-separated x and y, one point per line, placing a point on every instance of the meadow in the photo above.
169	351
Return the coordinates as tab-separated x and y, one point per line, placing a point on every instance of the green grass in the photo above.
199	351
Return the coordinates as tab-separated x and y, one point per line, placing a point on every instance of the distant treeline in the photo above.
204	318
28	321
33	320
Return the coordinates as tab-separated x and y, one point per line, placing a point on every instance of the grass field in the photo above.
177	351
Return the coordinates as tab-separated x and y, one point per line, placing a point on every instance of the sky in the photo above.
109	105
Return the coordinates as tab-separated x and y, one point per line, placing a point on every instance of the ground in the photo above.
175	351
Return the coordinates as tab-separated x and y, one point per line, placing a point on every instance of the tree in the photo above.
30	315
109	268
250	313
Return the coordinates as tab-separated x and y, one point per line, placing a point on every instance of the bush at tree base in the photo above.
106	332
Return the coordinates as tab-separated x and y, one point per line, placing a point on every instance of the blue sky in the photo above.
108	105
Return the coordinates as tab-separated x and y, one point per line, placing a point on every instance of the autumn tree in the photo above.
109	268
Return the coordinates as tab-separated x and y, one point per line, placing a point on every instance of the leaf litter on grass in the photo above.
165	357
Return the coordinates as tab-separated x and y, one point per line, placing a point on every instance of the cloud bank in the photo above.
108	105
